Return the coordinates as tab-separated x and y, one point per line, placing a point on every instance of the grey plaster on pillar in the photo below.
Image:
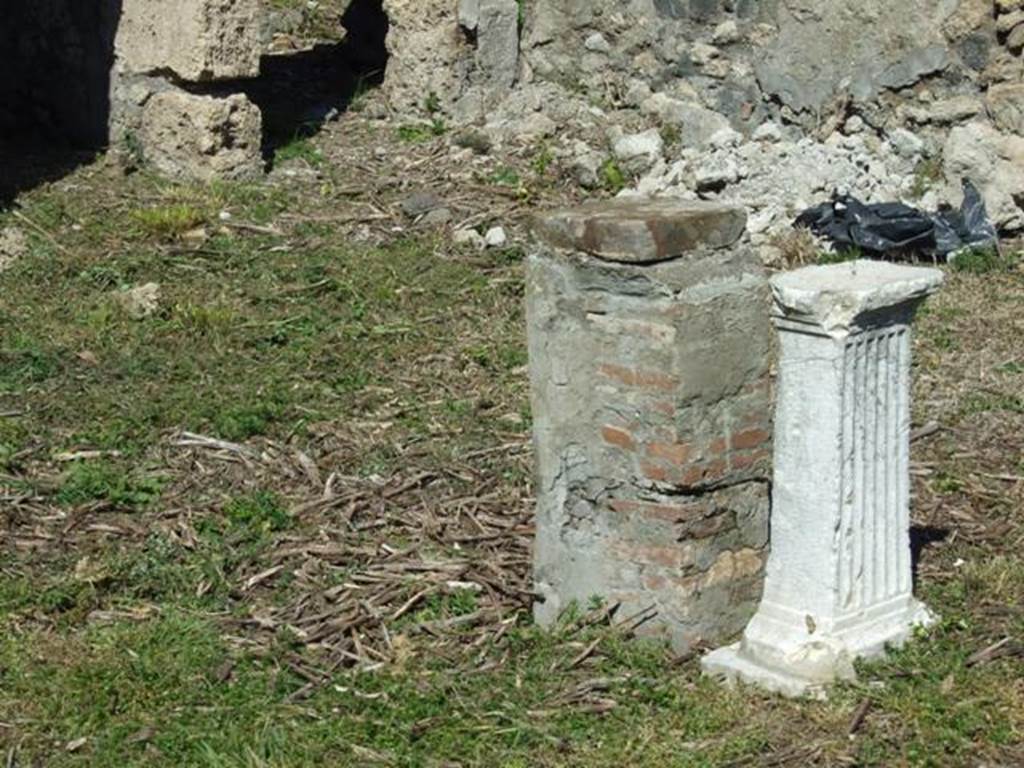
838	584
649	351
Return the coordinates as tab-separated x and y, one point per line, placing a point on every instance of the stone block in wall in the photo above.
201	138
863	48
430	58
994	162
649	356
1005	105
192	40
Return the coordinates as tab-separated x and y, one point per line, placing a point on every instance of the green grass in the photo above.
169	221
248	339
97	481
134	627
299	148
982	261
927	174
261	510
840	256
171	690
505	176
417	133
612	177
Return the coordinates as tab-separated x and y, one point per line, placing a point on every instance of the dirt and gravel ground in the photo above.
282	515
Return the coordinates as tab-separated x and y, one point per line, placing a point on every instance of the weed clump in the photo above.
981	261
169	222
100	481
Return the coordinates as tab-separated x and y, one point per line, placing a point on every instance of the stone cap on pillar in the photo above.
641	231
836	296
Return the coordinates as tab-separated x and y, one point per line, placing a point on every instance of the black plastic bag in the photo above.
895	229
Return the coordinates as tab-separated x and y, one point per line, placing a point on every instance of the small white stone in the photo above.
724	138
495	237
468	237
854	124
647	144
638	151
760	221
717	171
725	33
637	91
769	131
141	301
597	43
13	245
702	53
906	144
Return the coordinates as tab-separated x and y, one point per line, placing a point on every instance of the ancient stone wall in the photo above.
869	97
866	92
802	60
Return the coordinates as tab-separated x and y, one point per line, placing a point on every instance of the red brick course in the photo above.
638	378
620	438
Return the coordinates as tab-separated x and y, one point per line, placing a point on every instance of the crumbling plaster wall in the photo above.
802	60
950	71
944	78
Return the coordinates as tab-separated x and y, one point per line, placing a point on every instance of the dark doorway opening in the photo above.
55	82
298	92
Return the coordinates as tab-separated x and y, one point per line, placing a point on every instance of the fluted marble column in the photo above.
838	581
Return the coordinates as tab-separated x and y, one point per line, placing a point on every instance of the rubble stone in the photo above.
697	125
1005	104
201	138
428	55
1015	40
13	246
994	162
776	180
140	301
638	151
944	111
906	143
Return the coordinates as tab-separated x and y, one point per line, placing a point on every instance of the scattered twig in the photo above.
85	455
40	230
259	578
929	429
248	227
1005	647
859	715
1006	478
584	654
190	440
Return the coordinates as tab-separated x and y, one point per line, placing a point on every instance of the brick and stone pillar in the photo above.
838	583
649	355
